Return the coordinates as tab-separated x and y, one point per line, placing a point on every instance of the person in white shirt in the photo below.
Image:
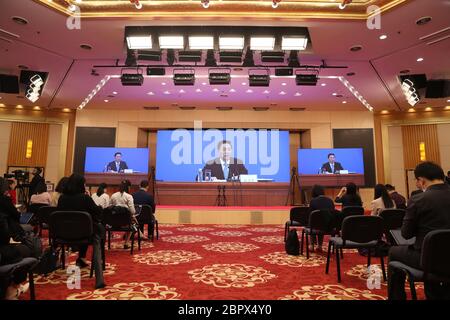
123	198
382	200
42	196
101	198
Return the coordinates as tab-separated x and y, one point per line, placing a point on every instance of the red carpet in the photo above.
217	262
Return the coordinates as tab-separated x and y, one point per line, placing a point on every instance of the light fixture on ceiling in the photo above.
275	3
201	42
94	91
219	76
344	4
34	89
183	77
383	37
136	42
259	77
231	43
355	93
410	92
137	4
294	43
171	42
205	3
420	59
132	79
262	43
306	77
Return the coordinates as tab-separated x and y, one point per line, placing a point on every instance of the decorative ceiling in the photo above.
221	9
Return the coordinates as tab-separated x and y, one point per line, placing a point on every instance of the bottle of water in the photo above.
200	175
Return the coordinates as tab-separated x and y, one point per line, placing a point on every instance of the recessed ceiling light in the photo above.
344	102
66	110
114	92
249	91
420	59
203	83
266	92
423	20
85	46
181	91
356	48
2	105
385	112
150	93
19	106
298	94
283	84
232	90
106	100
163	83
323	84
448	100
383	37
36	108
405	71
216	90
244	83
166	92
428	109
22	67
411	110
334	94
282	93
198	90
447	108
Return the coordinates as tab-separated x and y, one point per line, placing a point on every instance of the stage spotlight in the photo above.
230	56
258	77
132	79
184	77
344	3
205	4
219	76
272	56
307	77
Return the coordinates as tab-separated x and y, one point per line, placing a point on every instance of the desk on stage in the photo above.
330	180
114	179
237	194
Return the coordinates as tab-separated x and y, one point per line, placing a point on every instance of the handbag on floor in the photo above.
292	244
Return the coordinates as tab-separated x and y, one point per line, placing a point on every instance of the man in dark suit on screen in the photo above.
225	167
331	166
117	165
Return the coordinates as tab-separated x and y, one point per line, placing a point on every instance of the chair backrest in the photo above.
392	218
34	208
435	258
43	214
362	229
144	213
322	220
348	212
300	214
70	225
116	216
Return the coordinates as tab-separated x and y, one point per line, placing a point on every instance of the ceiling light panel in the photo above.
231	43
262	43
171	42
139	42
294	43
201	42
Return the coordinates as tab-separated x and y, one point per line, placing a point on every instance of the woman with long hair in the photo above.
349	196
101	198
382	200
58	191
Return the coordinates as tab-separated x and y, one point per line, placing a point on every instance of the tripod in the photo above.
292	187
221	199
154	188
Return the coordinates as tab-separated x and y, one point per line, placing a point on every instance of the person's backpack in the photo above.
292	244
48	262
33	243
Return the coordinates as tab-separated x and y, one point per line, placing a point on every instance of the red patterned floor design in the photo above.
217	262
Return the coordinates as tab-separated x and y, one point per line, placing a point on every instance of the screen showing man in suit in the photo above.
225	167
117	165
98	160
331	166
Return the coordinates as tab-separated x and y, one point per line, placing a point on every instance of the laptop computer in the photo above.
25	217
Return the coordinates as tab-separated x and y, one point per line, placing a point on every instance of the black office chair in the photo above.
145	216
298	217
27	265
34	208
357	232
119	219
347	212
73	228
392	220
43	216
435	263
321	222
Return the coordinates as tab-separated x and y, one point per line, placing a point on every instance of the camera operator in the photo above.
37	178
12	183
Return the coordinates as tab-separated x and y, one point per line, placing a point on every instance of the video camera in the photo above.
19	175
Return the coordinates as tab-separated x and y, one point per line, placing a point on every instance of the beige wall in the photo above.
5	132
396	163
444	145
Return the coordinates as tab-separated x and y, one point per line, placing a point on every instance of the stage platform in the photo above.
222	215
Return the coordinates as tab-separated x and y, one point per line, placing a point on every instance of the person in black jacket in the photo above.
349	196
331	166
37	179
142	197
320	202
425	212
117	165
11	250
74	198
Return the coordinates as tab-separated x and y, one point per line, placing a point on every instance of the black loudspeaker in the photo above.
280	72
438	89
9	84
156	71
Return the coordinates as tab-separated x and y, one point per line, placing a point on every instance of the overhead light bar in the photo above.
219	76
262	43
132	79
201	42
294	43
171	42
259	77
139	42
231	43
184	77
356	93
94	92
149	55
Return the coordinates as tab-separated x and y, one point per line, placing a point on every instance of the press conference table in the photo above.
330	180
113	178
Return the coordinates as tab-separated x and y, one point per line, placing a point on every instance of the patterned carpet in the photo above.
217	262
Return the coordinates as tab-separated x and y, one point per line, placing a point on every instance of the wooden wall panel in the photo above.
21	132
413	135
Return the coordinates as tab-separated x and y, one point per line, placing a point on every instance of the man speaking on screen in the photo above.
225	167
117	165
331	166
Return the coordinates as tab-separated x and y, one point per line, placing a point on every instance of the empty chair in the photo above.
298	217
357	232
43	216
392	220
321	223
75	228
145	216
434	261
119	219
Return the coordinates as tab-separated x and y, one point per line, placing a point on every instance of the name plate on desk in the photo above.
248	177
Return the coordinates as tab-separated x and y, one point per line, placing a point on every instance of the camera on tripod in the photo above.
19	175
